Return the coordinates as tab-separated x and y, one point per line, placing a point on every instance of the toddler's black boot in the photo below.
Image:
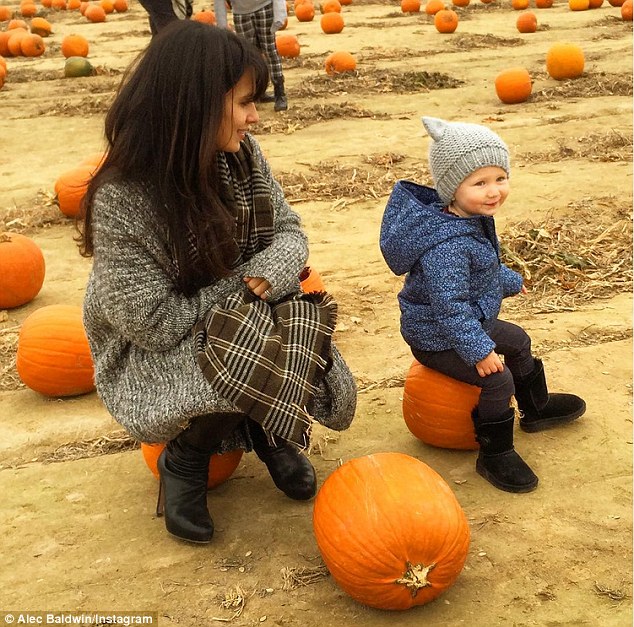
498	462
541	410
183	470
291	471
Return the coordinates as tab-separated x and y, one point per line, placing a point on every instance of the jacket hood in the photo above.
413	222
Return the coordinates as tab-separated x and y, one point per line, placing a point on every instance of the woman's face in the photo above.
239	114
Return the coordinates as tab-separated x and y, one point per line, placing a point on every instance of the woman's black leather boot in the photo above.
183	492
183	469
291	471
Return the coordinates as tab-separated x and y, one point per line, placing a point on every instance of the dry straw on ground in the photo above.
297	120
589	85
372	81
115	442
9	379
572	259
334	181
303	576
607	147
41	212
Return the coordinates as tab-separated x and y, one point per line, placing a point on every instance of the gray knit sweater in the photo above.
139	325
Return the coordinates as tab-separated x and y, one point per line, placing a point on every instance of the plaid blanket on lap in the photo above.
268	358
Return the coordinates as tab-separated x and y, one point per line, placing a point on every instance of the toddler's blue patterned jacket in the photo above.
455	281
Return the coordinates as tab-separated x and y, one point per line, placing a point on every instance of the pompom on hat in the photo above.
458	149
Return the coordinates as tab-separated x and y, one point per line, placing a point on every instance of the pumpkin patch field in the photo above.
79	530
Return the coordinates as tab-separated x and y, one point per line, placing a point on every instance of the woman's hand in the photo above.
490	364
260	287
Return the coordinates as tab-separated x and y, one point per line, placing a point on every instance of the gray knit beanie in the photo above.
458	149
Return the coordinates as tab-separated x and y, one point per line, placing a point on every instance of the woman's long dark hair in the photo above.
162	130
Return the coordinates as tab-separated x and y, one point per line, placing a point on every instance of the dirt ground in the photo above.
79	532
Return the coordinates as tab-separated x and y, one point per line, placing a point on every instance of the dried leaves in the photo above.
295	120
571	259
9	379
586	86
303	576
115	442
41	212
346	183
373	81
607	147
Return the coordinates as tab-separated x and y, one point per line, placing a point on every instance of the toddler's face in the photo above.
481	193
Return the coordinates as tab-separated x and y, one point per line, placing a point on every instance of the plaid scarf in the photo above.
246	193
268	359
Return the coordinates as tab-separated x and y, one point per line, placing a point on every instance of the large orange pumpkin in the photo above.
22	270
390	530
41	27
410	6
14	43
28	9
329	6
446	21
578	5
221	467
305	12
5	13
17	23
526	22
287	45
332	23
437	408
433	6
70	189
32	45
53	356
513	85
565	60
4	43
95	13
75	46
626	11
340	62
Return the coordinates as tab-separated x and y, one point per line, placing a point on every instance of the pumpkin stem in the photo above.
415	577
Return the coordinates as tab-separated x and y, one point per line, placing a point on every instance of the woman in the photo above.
198	330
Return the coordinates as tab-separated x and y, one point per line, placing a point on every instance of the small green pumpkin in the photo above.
78	66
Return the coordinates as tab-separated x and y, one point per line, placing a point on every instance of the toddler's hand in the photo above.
490	364
259	286
275	27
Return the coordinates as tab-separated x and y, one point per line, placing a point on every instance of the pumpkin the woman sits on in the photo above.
200	334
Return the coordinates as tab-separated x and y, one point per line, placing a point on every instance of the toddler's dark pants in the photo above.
497	388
